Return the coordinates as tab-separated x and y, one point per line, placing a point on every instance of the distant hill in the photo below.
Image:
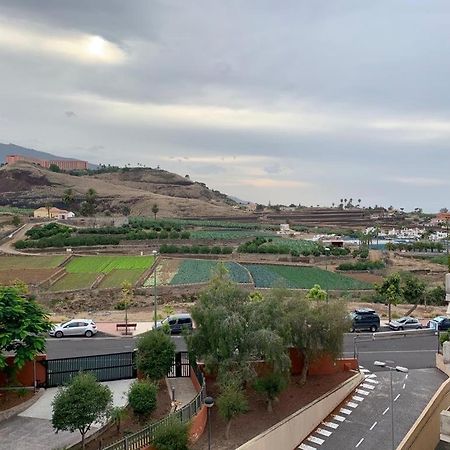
12	149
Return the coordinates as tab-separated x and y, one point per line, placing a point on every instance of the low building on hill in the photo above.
52	213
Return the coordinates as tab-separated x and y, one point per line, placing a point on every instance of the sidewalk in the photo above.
184	390
110	328
32	429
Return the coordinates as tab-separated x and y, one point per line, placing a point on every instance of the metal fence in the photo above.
114	366
144	437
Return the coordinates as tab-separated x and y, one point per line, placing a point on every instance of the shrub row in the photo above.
361	265
195	249
50	229
64	240
419	246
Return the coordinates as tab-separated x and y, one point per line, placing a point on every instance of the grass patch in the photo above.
106	264
74	281
116	277
30	262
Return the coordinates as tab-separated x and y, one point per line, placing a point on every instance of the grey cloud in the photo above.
70	114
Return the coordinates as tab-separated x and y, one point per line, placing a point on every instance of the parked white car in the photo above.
74	327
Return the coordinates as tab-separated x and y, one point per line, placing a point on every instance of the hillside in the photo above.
12	149
28	185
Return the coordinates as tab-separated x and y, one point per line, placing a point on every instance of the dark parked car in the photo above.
405	323
177	323
440	323
365	319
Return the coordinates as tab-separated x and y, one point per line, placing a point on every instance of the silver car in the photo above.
405	323
74	327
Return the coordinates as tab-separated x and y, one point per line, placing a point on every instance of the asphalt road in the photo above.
96	345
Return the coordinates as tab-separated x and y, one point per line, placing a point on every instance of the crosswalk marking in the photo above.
371	380
316	440
361	391
365	371
357	398
323	432
338	418
306	447
371	375
368	386
352	404
330	425
345	411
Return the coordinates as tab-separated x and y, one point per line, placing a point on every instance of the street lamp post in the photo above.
209	403
391	369
155	254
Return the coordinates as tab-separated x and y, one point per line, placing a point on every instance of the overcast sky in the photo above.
282	101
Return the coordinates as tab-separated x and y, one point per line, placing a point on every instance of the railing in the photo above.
144	437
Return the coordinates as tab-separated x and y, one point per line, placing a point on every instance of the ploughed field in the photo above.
28	269
192	271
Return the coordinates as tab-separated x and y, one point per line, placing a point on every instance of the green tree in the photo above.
54	168
317	293
231	403
23	325
68	197
80	404
413	289
155	354
174	435
88	206
155	209
271	386
16	221
117	415
391	291
142	397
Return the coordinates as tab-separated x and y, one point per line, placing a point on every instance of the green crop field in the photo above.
266	276
193	271
229	234
74	281
287	245
30	262
105	264
116	277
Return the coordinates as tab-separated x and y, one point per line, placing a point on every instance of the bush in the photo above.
362	265
155	354
444	337
173	435
142	397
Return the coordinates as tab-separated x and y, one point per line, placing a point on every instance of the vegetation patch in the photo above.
74	281
30	262
294	277
229	234
117	277
105	264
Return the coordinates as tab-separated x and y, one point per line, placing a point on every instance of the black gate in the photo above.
114	366
181	366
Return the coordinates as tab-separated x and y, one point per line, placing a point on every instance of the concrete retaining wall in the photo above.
288	433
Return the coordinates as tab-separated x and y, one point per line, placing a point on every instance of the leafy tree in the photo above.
88	206
68	197
80	404
126	210
16	221
23	324
413	289
155	354
317	293
174	435
54	168
142	397
155	209
271	386
231	403
117	415
391	291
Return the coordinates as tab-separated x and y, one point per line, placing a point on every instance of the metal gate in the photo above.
181	366
114	366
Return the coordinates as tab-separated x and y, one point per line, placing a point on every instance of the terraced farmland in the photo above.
74	281
192	271
116	277
229	234
295	277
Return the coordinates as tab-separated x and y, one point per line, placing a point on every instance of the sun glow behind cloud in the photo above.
84	48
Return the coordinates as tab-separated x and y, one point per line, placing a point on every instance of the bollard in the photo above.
173	393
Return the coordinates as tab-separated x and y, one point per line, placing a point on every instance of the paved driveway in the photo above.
32	429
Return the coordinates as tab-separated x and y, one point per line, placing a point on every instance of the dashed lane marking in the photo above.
345	411
338	418
363	392
315	440
386	410
368	386
306	447
323	432
373	426
352	404
404	384
357	398
359	443
330	425
396	398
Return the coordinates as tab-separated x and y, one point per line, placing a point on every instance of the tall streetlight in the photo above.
209	403
391	369
155	255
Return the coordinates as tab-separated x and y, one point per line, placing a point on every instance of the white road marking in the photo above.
396	398
352	404
362	367
330	425
370	376
373	426
345	411
406	376
357	398
306	447
359	443
361	391
367	386
386	410
404	384
338	418
365	371
370	380
323	432
316	440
